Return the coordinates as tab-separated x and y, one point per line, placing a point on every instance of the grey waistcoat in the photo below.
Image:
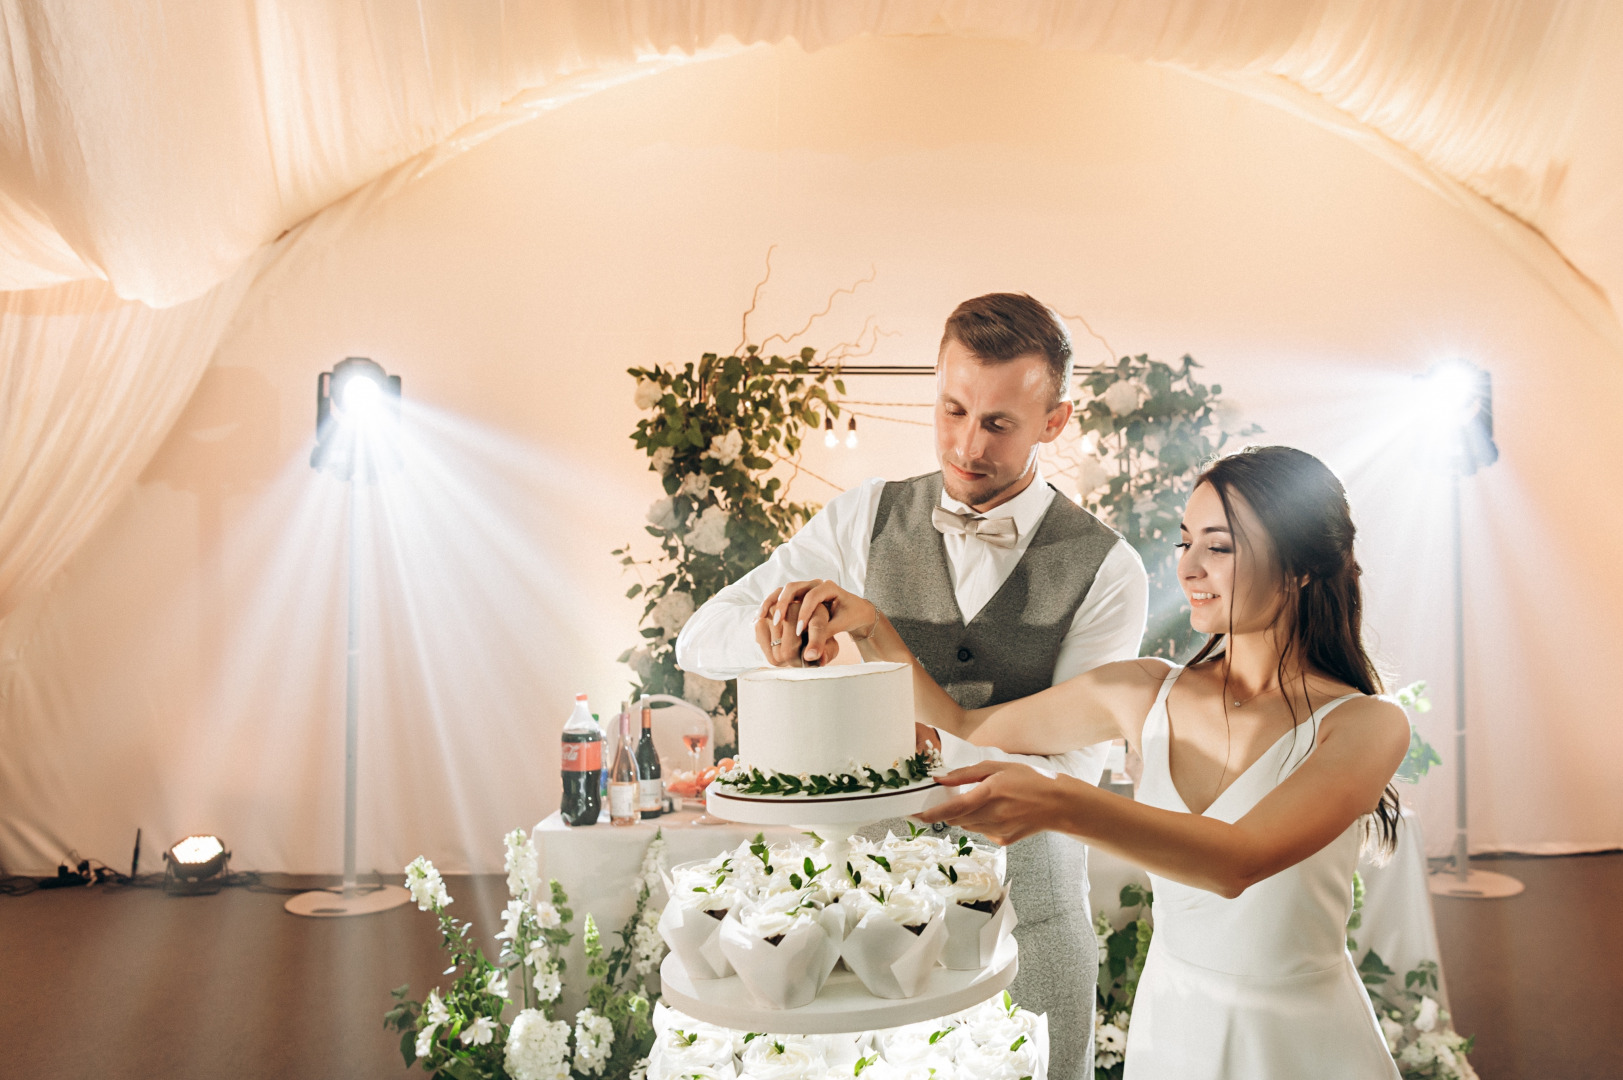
1006	651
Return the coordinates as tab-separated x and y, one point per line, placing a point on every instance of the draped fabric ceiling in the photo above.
160	159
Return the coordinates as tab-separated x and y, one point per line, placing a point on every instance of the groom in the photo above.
1000	586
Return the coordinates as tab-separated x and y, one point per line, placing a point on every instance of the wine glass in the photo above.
696	736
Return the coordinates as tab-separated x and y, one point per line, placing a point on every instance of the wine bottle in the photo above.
582	765
623	775
650	779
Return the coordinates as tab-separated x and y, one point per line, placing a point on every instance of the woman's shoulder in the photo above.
1374	717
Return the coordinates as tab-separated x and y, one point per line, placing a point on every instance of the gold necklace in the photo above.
1253	697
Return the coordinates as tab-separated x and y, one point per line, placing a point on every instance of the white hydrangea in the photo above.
1393	1032
672	611
662	459
703	692
648	394
1122	397
725	449
523	866
480	1032
695	485
547	983
1091	475
709	533
537	1048
594	1040
1426	1018
662	513
426	886
641	662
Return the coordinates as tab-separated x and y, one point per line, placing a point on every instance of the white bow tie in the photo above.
999	531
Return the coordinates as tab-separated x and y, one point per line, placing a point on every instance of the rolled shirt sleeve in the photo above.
718	642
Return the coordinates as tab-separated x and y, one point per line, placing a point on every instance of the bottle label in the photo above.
583	756
622	800
651	795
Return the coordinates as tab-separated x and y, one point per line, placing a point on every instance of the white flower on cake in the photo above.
998	1061
908	904
537	1048
425	885
693	1047
703	692
965	882
648	394
709	533
662	513
725	449
780	1057
594	1039
672	611
776	913
1121	397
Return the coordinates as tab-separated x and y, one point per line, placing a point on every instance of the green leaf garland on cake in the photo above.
865	779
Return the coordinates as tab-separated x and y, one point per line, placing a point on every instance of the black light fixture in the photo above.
195	866
356	391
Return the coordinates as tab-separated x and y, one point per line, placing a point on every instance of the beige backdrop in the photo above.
185	672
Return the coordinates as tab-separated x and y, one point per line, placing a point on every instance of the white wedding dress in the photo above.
1260	987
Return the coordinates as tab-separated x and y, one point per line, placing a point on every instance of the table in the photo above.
598	866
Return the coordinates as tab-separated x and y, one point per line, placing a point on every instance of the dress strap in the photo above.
1156	721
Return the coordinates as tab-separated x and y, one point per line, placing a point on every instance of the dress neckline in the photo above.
1315	718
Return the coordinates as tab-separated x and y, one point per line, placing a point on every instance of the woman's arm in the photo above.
1078	712
1359	749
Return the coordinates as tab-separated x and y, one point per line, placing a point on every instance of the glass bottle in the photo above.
650	777
623	793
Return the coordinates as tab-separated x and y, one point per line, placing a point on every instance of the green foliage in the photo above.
1422	755
1149	455
1122	954
714	433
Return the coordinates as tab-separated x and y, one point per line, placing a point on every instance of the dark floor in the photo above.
106	983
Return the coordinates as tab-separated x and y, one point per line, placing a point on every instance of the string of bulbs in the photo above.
831	438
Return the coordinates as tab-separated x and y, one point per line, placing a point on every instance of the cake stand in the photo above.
843	1004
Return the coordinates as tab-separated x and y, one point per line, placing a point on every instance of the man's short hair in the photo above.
1000	327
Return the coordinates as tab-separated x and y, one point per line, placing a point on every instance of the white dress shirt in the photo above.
718	642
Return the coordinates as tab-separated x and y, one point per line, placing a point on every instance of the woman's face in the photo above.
1231	582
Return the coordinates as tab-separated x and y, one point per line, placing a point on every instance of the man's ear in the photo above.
1055	422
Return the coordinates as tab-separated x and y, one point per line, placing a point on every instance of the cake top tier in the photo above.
811	674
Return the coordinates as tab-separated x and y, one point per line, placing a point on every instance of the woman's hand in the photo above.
1010	801
798	622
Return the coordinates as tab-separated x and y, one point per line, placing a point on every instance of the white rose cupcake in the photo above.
896	938
782	946
692	918
781	1057
979	915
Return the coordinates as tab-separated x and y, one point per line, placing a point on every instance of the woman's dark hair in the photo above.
1302	508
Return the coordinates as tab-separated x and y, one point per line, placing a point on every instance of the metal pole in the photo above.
1462	851
352	689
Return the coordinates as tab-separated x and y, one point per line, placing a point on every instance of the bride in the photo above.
1267	763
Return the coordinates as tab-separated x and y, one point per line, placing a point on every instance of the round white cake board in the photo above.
800	810
843	1005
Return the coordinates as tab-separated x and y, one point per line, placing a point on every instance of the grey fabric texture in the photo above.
1006	651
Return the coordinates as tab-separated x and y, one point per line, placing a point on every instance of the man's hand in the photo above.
781	632
1010	801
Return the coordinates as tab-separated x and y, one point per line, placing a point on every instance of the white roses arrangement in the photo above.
464	1031
781	916
996	1040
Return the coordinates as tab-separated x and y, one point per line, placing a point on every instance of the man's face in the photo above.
989	421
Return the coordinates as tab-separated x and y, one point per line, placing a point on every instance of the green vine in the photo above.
715	432
752	781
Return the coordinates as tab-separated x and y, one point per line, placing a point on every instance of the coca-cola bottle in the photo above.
582	767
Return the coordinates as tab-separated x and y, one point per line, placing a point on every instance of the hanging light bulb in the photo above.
830	439
851	433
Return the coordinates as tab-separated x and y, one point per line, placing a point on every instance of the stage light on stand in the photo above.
195	866
357	429
830	439
1455	400
851	434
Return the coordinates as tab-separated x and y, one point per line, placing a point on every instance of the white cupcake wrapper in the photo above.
973	936
789	974
891	960
695	937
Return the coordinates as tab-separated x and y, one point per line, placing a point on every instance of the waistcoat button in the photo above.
965	656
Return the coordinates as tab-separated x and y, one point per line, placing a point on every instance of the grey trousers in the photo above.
1059	956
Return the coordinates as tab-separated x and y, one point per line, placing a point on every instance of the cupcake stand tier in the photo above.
844	1003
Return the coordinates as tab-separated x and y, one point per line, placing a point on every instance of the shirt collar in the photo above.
1027	508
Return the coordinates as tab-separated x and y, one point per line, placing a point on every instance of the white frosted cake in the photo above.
828	720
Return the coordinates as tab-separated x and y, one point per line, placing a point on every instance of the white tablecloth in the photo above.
598	867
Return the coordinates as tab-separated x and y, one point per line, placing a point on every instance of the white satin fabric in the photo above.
159	146
1260	987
